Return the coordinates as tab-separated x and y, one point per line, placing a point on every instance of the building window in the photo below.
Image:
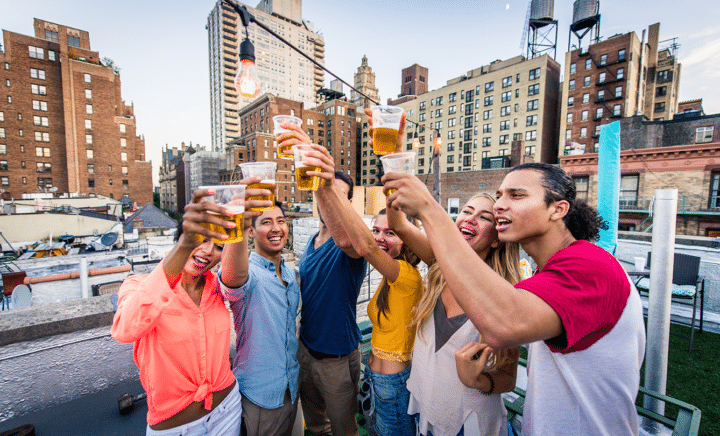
51	36
586	81
490	86
504	139
73	41
581	187
88	109
89	153
531	135
534	74
38	89
616	110
36	52
662	75
91	169
505	125
569	118
588	64
603	59
37	74
91	183
714	198
40	105
88	93
573	68
123	156
621	54
124	170
597	131
660	107
88	124
3	165
505	110
506	96
5	181
532	105
618	91
122	128
43	167
87	78
487	114
620	73
584	115
571	101
629	190
601	77
598	113
583	132
601	95
703	134
661	91
2	132
88	139
42	137
571	85
531	120
534	89
3	149
51	55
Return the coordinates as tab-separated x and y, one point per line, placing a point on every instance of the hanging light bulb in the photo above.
416	141
438	142
247	82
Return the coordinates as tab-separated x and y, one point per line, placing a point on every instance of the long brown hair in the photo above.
408	256
503	259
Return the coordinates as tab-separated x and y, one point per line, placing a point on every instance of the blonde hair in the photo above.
503	259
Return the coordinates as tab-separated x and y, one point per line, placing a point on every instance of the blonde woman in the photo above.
448	346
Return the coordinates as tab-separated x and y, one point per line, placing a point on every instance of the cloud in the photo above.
702	53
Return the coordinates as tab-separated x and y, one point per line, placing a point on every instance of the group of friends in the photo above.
444	347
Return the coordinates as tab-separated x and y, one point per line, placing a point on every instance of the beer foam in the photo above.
270	181
236	209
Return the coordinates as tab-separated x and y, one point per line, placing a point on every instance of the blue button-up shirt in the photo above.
265	315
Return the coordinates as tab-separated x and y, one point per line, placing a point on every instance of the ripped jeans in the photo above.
384	400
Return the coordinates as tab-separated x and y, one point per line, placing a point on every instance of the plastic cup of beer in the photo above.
277	130
233	198
303	181
386	124
266	171
399	163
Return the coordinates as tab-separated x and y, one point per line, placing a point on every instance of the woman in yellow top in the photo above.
391	308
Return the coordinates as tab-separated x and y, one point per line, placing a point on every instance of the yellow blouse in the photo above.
392	336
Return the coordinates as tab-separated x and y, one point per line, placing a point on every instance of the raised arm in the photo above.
234	271
338	212
506	316
412	237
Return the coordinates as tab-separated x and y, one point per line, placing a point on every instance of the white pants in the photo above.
224	420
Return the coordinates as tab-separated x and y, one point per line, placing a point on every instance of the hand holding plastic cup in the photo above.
232	197
277	130
399	163
386	124
266	171
303	181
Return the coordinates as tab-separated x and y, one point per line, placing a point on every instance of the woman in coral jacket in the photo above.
177	319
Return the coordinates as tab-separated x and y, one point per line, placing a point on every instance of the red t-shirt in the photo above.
588	289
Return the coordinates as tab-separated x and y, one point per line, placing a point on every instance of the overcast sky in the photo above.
161	46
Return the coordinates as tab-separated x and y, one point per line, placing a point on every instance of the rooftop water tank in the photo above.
542	9
584	9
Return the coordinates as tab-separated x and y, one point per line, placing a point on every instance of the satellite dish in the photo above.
108	239
53	189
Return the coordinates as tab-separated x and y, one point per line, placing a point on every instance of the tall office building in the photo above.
480	116
63	124
365	83
619	77
282	71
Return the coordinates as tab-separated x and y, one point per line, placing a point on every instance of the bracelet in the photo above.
492	384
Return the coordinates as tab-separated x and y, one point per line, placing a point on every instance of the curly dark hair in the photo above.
582	220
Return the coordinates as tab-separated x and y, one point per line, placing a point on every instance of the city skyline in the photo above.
163	51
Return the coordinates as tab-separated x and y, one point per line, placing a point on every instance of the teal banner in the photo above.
608	194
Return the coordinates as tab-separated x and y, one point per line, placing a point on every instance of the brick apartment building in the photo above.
682	153
612	79
332	124
63	123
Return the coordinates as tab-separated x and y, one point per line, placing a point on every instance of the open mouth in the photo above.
502	223
200	263
275	239
467	233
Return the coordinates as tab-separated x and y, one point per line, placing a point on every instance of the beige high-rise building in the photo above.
478	116
365	83
616	78
281	70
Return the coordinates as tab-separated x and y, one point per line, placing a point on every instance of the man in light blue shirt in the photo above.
264	298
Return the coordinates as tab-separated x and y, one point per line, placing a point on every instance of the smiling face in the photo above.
385	237
203	258
270	232
477	225
520	210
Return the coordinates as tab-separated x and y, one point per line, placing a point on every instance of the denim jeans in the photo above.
223	420
384	401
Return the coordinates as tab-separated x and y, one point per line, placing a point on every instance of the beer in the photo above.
390	192
234	235
384	140
305	182
282	152
265	184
